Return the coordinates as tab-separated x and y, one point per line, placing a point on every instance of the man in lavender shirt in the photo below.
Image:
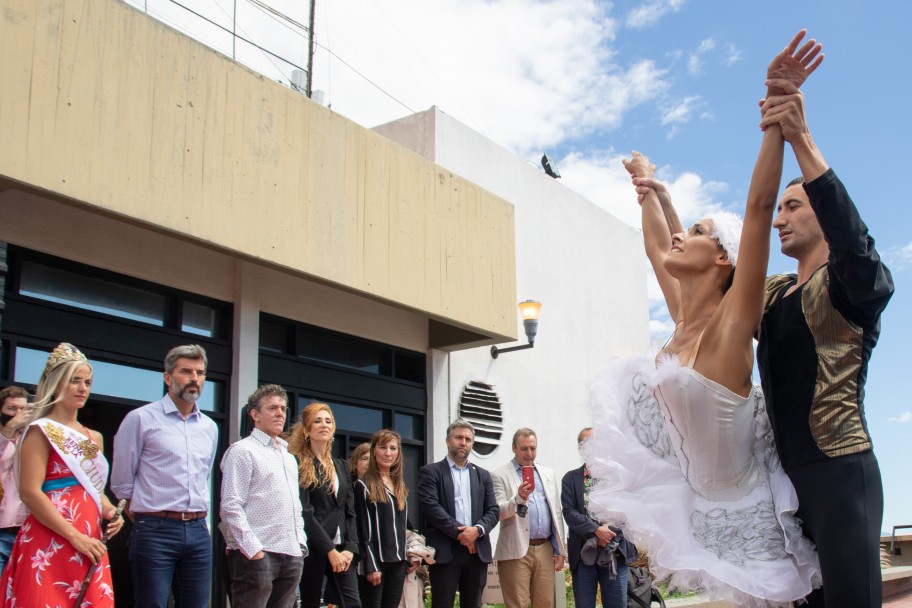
163	456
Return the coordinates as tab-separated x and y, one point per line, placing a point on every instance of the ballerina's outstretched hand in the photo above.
794	64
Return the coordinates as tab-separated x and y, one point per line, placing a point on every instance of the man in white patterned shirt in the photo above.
261	508
163	456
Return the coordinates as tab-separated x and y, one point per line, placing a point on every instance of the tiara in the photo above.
64	353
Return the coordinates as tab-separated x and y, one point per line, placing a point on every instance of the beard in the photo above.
185	394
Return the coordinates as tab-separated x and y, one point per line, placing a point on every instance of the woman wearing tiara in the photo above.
62	475
682	453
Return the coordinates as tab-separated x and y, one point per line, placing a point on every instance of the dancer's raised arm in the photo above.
660	222
728	338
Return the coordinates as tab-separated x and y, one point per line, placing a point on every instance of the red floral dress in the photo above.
44	569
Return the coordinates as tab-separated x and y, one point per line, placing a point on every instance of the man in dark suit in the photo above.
583	530
459	508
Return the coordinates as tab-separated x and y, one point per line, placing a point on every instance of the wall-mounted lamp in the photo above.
529	311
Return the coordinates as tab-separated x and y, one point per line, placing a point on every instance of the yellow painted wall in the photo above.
112	109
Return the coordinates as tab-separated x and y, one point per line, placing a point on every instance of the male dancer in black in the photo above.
816	337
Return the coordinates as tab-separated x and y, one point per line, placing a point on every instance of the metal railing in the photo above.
231	37
893	538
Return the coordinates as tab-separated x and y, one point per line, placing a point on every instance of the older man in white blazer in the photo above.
531	546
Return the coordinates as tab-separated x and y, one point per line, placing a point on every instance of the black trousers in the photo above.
841	510
341	587
389	592
466	572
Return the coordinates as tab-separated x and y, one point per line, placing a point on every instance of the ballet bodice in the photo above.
712	432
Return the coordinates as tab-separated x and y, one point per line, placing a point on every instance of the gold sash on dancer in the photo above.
82	455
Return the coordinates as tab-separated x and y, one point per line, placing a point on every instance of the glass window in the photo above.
362	357
201	320
410	367
92	293
411	462
409	427
274	337
116	380
212	397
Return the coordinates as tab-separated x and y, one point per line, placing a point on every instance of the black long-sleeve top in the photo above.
815	343
326	512
381	528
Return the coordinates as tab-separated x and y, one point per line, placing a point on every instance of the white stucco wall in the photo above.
582	263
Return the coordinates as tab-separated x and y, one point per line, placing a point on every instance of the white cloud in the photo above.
732	54
899	258
602	179
693	198
681	111
526	74
660	324
649	13
653	291
695	60
706	45
903	418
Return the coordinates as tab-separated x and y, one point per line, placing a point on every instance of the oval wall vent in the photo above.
480	405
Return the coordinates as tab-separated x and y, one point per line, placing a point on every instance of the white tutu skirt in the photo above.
748	550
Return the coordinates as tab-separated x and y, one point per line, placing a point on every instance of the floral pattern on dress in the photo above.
44	569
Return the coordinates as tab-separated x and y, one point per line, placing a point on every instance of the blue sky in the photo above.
587	81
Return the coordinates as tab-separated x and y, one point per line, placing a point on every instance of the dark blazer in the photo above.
581	527
324	512
438	506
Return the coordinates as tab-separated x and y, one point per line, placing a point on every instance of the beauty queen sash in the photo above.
82	455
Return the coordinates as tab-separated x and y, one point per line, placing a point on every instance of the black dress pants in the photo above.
389	592
841	510
466	573
341	587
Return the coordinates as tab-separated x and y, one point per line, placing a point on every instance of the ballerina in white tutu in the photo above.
682	449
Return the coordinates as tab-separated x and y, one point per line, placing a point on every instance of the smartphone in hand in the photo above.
528	476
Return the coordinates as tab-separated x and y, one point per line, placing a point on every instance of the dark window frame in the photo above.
173	314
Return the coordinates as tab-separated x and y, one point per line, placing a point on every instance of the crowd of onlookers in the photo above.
300	525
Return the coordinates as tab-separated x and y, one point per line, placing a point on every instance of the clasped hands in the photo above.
340	560
467	537
784	103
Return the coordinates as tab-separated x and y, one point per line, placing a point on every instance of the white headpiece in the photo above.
727	232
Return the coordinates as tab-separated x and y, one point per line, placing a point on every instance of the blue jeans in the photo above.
586	579
166	555
6	547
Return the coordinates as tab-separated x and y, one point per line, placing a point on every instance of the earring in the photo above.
307	439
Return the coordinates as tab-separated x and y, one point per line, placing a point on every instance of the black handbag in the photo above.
641	588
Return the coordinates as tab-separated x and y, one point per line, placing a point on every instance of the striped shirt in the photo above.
162	460
381	528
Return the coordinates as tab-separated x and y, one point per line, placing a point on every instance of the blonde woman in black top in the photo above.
329	512
382	514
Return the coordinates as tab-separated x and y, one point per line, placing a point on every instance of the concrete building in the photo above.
583	264
154	193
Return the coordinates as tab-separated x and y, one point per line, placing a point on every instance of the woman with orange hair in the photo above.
329	514
382	513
